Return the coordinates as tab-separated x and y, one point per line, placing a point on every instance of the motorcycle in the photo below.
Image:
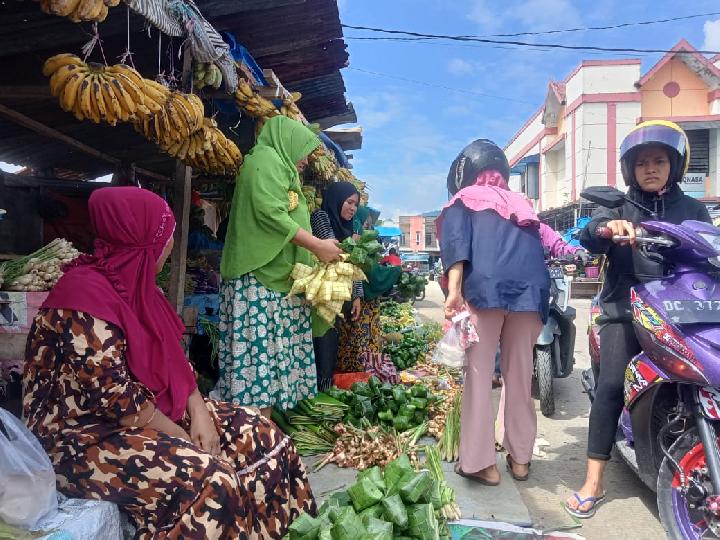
667	432
554	351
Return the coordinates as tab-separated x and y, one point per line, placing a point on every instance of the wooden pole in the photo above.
181	208
182	188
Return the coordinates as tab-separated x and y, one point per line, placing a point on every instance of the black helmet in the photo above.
476	157
667	135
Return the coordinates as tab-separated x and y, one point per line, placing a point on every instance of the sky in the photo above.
412	132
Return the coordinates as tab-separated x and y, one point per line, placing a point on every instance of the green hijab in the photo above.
261	224
380	278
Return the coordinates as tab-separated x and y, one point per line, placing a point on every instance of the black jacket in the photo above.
626	267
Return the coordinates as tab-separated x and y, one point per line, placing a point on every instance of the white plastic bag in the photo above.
27	479
450	351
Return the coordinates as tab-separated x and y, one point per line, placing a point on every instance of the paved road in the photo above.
630	511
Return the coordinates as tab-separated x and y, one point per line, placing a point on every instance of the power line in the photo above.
433	85
610	27
517	43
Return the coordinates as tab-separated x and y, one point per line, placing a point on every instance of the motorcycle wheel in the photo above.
680	521
420	297
545	380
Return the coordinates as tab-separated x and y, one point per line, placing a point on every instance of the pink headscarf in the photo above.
491	192
117	285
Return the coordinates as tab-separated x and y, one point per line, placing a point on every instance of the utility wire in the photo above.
514	42
610	27
433	85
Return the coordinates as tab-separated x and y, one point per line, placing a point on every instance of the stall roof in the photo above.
300	40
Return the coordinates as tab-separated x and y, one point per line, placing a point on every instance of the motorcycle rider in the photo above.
653	157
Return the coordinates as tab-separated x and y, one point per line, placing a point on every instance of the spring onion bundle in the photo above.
40	270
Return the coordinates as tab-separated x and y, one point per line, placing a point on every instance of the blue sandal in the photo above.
584	514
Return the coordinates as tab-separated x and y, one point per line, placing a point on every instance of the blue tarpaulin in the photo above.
570	234
414	257
388	232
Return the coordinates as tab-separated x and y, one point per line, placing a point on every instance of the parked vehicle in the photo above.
668	431
554	351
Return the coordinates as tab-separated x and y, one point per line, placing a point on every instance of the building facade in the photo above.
573	140
418	241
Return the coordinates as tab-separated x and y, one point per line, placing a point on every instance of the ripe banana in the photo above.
54	63
63	8
69	94
111	102
99	101
61	76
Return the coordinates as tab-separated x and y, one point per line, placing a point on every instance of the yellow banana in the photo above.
85	9
102	15
60	77
154	99
129	87
111	102
126	103
129	72
54	63
111	3
68	97
99	101
85	97
63	8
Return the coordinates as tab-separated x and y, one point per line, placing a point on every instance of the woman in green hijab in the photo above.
364	333
266	349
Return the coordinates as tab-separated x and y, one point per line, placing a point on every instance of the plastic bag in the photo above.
27	479
450	351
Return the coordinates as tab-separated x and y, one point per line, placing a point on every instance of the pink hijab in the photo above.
491	192
117	285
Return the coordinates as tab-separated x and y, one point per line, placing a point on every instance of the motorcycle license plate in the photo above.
710	401
693	311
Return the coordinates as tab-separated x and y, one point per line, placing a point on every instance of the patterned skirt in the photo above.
358	337
172	489
266	350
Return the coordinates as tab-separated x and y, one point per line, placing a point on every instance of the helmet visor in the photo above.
648	135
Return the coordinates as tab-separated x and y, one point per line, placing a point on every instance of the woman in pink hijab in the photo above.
113	400
492	245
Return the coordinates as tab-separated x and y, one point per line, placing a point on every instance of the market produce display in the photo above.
96	92
208	149
175	117
207	74
397	502
394	317
411	285
79	10
406	352
367	446
449	444
390	406
326	286
314	202
322	165
364	251
38	271
250	101
311	423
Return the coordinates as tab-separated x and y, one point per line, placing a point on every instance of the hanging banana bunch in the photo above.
253	103
322	165
289	107
79	10
208	150
176	117
207	74
96	92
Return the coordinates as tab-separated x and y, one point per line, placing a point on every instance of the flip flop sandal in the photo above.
584	514
516	477
474	478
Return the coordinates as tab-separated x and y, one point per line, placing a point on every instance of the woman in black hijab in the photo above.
334	220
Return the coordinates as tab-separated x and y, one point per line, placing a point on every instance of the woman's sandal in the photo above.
509	460
584	514
474	478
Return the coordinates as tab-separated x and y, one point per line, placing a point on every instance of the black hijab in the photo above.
333	199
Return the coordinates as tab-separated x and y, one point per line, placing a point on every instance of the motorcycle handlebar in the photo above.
640	237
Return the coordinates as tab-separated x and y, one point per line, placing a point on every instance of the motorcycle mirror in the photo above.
606	196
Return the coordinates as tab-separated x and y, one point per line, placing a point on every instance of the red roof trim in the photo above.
525	126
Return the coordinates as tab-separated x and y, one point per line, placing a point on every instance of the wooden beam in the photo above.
182	188
178	261
33	125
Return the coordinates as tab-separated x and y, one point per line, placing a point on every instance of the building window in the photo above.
428	239
403	241
417	238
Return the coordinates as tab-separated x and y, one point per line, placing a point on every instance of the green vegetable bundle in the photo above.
411	285
386	405
364	251
406	353
388	504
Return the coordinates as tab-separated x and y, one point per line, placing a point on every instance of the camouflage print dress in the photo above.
77	388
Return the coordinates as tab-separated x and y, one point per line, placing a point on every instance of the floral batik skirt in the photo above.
358	337
266	349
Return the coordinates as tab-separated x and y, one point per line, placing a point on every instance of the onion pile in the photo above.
38	271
